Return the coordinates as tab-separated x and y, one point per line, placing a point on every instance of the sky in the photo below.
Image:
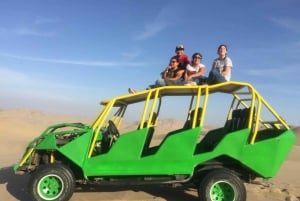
67	56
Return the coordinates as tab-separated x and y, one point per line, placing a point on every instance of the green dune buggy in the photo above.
214	138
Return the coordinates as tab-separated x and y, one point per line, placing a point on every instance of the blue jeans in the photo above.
215	77
200	79
164	82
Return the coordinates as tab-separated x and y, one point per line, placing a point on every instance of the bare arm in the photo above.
164	73
186	77
199	73
178	75
226	70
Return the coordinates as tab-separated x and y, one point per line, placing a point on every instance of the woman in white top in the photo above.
221	68
194	72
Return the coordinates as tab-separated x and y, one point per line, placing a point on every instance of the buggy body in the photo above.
252	142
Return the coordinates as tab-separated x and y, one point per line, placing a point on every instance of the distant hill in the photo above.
33	122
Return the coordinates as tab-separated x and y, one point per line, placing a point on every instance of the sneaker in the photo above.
193	83
150	87
132	90
190	83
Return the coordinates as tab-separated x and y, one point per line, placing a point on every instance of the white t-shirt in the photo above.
219	65
191	70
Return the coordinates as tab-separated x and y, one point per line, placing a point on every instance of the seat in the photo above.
239	120
188	123
150	133
152	123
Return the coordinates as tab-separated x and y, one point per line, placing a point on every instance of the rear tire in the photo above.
52	182
221	185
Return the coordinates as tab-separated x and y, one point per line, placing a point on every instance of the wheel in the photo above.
54	182
221	185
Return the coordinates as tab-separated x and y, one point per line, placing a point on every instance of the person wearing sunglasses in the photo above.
172	75
194	72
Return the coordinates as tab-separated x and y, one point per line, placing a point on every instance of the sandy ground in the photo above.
19	126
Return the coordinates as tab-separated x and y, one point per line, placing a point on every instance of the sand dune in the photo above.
19	126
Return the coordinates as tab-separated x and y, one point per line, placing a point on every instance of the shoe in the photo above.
132	90
150	87
190	83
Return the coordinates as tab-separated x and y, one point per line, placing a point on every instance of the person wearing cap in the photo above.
194	72
184	60
221	67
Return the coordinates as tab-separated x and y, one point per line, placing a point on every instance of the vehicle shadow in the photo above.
16	184
157	192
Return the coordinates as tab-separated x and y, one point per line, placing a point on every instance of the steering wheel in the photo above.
112	129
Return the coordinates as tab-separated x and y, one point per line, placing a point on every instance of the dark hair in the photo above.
175	57
197	53
222	45
194	55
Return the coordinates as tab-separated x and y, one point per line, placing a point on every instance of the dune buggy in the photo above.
214	138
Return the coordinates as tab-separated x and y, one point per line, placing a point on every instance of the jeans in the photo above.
164	82
200	80
215	77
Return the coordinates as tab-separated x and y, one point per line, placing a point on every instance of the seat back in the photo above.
239	120
153	121
188	123
150	133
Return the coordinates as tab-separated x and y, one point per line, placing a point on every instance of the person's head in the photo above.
222	50
179	50
196	58
174	61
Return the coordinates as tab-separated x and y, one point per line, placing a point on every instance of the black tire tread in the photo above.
61	170
221	174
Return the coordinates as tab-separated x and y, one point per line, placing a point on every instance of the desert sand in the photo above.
19	126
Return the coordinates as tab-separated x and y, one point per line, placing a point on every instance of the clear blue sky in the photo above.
66	56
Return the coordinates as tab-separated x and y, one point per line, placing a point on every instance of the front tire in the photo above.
221	185
53	182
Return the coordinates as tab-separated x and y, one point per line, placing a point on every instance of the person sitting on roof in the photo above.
221	67
184	60
194	72
172	75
